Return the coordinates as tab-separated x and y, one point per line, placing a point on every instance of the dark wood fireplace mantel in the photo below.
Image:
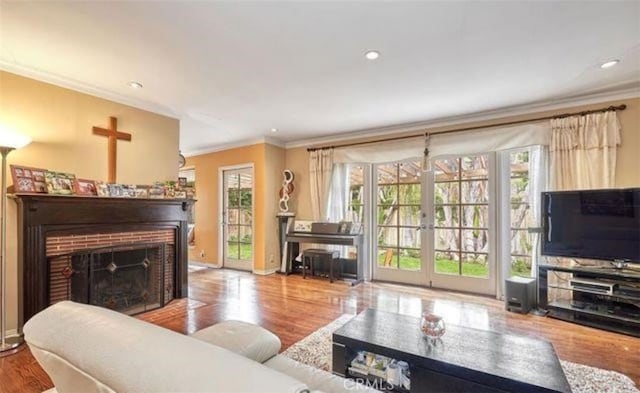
41	216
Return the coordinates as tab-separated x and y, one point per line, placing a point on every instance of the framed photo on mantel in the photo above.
60	183
26	179
86	187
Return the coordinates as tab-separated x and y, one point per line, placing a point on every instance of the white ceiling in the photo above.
233	70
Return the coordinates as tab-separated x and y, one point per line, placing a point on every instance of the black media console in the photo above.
602	297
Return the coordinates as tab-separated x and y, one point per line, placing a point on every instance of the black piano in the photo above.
326	233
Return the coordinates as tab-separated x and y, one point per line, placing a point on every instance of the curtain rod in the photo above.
509	123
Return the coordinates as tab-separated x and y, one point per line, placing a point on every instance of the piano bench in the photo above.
312	255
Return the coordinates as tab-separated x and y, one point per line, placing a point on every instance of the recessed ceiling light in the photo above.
135	85
609	63
274	130
372	54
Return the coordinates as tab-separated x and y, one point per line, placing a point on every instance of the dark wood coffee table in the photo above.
465	360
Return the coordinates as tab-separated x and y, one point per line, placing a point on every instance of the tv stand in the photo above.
614	305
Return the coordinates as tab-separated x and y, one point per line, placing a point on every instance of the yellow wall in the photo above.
60	123
627	170
268	162
274	165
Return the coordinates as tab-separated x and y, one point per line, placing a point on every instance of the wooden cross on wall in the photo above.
114	135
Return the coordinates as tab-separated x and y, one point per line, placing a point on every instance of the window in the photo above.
398	215
355	200
461	202
239	215
521	216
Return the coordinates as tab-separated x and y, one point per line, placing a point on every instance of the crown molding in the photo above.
629	90
72	84
234	145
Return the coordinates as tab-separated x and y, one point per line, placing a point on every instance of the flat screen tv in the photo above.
592	224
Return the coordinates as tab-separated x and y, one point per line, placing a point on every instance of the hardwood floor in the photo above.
293	308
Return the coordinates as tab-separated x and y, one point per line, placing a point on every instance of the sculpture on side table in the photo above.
285	217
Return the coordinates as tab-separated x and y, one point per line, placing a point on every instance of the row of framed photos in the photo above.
36	180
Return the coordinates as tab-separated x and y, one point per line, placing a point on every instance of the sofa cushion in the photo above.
243	338
94	350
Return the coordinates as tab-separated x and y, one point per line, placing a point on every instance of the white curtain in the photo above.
339	193
583	151
338	200
472	142
320	170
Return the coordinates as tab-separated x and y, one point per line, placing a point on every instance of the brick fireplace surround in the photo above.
50	227
59	251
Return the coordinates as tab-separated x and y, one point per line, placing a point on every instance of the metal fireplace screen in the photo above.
129	279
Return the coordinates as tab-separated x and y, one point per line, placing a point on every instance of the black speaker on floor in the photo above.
520	294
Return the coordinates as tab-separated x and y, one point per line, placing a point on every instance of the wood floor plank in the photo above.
293	308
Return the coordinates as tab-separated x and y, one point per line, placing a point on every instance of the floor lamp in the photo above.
8	142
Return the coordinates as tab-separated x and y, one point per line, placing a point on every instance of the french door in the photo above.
237	218
461	223
398	218
437	227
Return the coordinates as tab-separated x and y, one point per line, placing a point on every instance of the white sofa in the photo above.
87	349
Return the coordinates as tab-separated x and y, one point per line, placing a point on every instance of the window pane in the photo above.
445	169
520	189
447	193
410	194
519	157
447	216
232	250
446	239
521	243
388	257
474	167
476	240
233	216
245	197
245	251
475	265
245	234
475	191
356	175
521	216
409	237
410	259
245	216
387	215
447	263
355	213
387	173
387	236
409	216
475	216
387	195
410	172
234	200
232	233
521	266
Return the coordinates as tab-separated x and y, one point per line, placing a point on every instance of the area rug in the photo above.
315	350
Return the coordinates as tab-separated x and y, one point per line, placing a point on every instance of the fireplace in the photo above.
129	279
129	255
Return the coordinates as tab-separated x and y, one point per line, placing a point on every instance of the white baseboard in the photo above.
202	264
266	272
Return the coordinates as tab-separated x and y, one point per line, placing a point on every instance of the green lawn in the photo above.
245	251
448	266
